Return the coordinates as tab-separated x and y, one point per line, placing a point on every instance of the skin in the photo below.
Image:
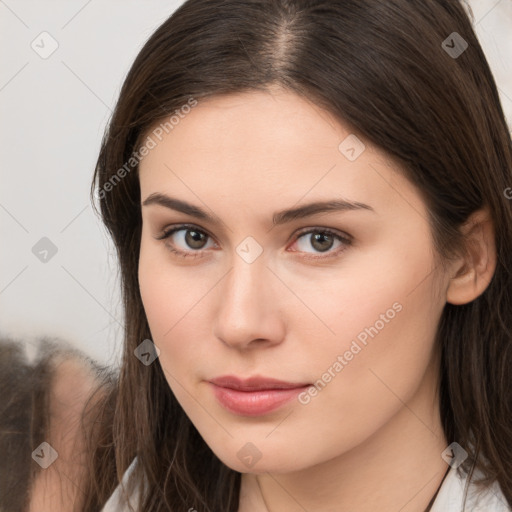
242	158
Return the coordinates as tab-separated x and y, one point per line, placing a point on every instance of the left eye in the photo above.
193	241
321	239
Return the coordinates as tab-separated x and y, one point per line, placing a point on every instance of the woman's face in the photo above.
341	304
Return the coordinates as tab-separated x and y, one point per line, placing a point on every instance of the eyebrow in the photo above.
280	217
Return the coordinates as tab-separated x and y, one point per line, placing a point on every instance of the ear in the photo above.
473	273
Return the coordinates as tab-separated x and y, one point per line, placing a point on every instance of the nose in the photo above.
249	312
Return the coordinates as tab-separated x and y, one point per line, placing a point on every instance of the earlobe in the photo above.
472	274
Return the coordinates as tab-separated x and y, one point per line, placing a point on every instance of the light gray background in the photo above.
53	112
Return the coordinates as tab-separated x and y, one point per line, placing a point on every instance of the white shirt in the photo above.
450	497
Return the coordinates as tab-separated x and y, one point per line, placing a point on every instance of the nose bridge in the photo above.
245	286
247	308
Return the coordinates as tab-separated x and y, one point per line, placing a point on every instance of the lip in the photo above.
254	396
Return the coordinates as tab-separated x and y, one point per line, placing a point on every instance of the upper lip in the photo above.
255	383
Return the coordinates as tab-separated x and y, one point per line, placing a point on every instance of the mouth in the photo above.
255	396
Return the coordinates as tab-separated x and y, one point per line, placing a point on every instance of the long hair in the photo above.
386	70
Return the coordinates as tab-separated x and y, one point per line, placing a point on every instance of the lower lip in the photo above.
254	403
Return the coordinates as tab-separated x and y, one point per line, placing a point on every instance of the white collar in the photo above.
451	495
116	503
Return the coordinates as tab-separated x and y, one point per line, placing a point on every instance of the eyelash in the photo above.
346	240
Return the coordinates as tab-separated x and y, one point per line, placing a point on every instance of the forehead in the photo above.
270	147
258	124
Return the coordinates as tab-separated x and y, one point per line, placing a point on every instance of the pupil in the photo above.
319	237
192	239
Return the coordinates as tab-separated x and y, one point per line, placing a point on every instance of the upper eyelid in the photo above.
178	227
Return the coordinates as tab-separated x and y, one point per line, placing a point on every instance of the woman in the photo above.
308	201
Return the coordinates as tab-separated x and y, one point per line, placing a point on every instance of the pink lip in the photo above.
254	396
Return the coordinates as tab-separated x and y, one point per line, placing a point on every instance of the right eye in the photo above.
186	235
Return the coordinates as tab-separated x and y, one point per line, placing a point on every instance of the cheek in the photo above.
154	290
163	304
367	390
383	316
166	291
163	307
173	300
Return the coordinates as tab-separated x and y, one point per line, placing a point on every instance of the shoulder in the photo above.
43	397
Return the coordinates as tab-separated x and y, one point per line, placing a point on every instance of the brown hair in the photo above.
380	67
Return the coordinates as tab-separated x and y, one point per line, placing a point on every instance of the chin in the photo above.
262	456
